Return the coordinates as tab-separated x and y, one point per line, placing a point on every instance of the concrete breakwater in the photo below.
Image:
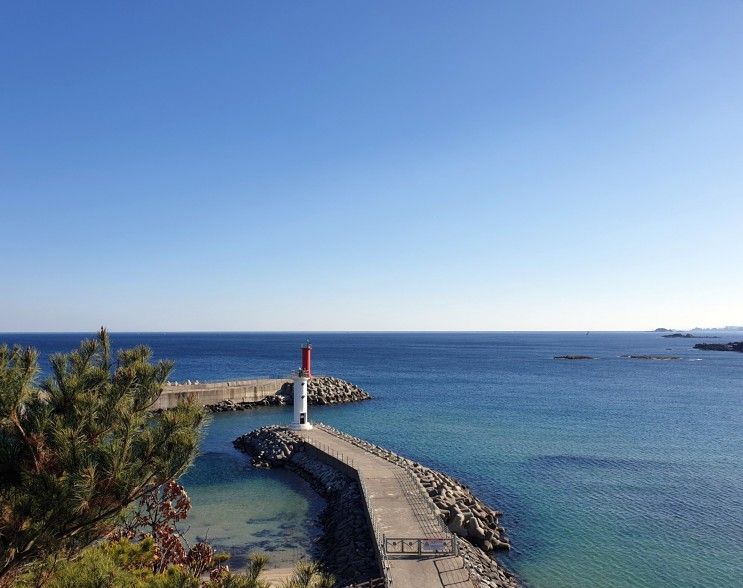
247	394
463	513
347	550
471	520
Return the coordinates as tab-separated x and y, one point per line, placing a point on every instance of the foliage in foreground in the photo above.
307	574
155	520
156	516
126	564
75	452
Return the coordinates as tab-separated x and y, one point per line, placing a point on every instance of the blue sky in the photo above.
371	166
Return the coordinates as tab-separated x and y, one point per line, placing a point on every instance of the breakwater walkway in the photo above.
414	546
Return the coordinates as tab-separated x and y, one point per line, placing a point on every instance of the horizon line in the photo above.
364	331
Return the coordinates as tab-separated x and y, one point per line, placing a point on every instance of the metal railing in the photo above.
376	526
423	507
416	546
377	531
437	540
326	449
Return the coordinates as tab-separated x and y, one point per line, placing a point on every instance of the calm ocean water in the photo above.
613	472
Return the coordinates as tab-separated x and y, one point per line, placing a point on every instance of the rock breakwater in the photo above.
347	548
463	513
321	390
476	524
269	446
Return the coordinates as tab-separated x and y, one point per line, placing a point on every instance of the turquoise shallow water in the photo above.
241	509
611	472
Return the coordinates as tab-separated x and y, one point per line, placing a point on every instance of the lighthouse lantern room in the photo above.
301	421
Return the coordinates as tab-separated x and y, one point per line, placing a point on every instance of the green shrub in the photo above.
80	448
127	564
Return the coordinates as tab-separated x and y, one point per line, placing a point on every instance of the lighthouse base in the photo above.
300	426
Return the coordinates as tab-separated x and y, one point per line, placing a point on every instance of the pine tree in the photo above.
77	450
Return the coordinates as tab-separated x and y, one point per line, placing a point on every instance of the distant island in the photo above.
727	328
733	346
689	336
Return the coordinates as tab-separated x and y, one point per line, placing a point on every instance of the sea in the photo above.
610	472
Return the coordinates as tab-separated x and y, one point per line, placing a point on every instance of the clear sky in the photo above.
371	165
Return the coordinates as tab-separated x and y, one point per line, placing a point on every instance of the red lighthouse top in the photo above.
307	359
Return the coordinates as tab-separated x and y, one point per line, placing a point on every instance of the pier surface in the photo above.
397	509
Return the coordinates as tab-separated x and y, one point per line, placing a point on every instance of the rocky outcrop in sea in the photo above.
733	346
321	390
689	336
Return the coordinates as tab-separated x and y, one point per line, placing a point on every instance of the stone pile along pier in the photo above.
322	390
464	514
374	494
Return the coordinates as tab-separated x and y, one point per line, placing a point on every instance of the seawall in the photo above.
213	393
247	394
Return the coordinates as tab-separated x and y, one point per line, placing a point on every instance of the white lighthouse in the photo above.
301	421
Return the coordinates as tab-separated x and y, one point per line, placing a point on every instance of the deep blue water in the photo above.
612	472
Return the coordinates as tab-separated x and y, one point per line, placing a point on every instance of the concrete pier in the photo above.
397	510
215	392
237	395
